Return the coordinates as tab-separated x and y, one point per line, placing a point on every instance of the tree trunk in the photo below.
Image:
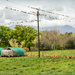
29	49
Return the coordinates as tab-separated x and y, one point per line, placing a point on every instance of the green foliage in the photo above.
53	40
26	37
23	33
49	39
70	44
4	30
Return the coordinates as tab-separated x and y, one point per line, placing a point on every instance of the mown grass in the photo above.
37	66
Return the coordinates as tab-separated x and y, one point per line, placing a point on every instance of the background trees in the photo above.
63	39
4	30
23	36
55	40
49	39
23	33
70	44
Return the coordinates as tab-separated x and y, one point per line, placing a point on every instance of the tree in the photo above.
4	38
23	33
50	38
70	44
63	38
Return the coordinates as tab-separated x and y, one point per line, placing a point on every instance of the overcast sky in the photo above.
64	7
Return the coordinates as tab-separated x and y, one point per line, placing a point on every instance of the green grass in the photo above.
54	52
38	66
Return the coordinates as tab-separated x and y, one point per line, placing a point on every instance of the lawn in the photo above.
39	66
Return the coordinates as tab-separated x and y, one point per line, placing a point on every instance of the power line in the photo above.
47	11
34	13
20	11
40	9
52	17
18	22
6	4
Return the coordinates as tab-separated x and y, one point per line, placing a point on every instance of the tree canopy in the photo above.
23	33
4	30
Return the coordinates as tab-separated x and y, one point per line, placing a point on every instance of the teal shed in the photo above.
13	51
1	50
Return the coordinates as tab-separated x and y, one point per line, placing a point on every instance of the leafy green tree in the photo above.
4	30
23	33
63	38
70	44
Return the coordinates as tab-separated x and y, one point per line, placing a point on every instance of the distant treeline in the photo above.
54	40
26	37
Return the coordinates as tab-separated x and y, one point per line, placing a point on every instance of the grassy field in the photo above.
54	52
39	66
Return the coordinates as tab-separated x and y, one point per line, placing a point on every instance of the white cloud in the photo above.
66	7
15	16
